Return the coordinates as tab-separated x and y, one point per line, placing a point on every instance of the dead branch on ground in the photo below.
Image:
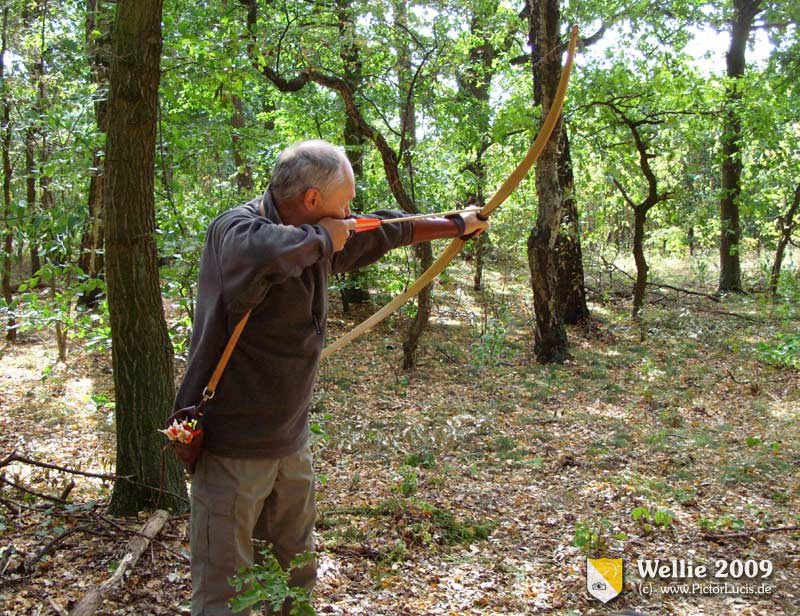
136	546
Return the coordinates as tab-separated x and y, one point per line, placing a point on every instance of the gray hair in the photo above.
307	164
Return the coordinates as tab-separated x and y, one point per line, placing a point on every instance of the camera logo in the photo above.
604	578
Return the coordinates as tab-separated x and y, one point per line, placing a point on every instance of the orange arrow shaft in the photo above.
367	224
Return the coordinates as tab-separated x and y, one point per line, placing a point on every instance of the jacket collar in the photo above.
266	208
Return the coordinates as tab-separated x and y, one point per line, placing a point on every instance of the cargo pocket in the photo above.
213	526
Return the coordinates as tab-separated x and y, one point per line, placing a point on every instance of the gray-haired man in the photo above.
273	255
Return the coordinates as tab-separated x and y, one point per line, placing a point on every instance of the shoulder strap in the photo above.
208	392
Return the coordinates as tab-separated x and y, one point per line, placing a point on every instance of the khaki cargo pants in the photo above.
236	500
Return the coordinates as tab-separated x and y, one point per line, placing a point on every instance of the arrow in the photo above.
367	224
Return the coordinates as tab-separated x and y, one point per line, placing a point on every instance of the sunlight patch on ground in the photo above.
601	409
782	409
78	396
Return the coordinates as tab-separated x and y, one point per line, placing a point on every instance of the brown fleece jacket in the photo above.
260	408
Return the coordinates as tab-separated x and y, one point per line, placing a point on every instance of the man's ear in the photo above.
311	199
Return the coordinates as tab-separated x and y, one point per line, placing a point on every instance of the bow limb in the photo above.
508	187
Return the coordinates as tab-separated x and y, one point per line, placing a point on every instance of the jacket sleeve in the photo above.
254	253
369	246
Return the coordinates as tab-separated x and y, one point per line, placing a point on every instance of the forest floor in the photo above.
479	482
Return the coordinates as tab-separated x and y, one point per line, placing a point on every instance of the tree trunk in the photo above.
353	289
408	141
46	198
91	259
390	159
30	198
141	348
8	237
730	274
244	173
787	226
99	16
474	83
571	282
639	287
550	334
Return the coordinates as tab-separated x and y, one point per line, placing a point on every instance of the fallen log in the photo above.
136	546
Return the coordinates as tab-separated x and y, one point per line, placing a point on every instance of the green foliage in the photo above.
424	459
593	536
266	584
724	522
649	520
409	483
783	350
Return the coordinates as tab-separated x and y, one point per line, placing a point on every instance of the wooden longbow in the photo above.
508	187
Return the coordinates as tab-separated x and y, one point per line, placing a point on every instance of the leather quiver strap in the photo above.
189	453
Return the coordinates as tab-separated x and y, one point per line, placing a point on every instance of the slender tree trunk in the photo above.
354	288
640	286
408	141
787	227
99	15
730	274
640	209
46	198
474	82
8	236
31	136
141	348
244	173
30	197
571	283
481	244
550	335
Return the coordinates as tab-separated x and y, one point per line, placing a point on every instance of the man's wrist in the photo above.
459	222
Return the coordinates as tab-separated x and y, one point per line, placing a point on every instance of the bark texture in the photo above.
730	272
141	348
571	281
8	235
550	335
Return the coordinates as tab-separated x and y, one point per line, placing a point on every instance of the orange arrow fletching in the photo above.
366	224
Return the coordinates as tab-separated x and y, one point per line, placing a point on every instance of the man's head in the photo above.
312	180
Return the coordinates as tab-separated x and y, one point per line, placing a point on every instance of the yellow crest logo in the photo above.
604	578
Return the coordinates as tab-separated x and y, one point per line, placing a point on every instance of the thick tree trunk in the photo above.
141	348
571	281
550	334
730	273
8	237
787	226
